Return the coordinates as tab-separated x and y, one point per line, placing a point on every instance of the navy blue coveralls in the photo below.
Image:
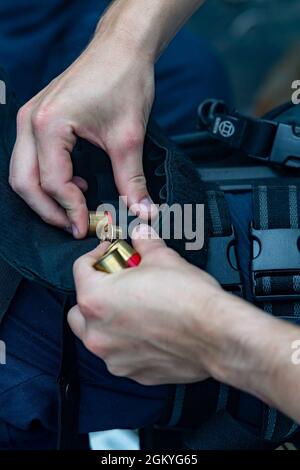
38	40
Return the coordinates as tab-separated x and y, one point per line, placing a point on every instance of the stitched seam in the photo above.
263	207
14	387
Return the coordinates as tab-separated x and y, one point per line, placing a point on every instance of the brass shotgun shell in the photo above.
110	263
109	232
127	252
120	255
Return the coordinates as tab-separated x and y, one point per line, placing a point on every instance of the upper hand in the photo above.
105	97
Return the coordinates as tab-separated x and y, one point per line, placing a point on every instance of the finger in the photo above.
145	240
84	267
24	176
81	183
127	163
77	322
54	147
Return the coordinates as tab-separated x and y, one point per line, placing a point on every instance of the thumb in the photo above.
145	240
127	163
83	267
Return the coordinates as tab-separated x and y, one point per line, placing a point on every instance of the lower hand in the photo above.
168	322
144	322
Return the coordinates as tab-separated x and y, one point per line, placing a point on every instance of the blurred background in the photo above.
259	41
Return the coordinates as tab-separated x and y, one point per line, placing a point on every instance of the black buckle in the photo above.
276	252
233	128
286	147
222	263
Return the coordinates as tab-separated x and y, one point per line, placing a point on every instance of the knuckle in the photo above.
41	118
49	185
23	113
138	180
19	184
93	344
86	305
116	370
166	253
16	184
146	381
77	266
131	139
47	219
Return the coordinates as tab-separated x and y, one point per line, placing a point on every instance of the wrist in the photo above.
246	355
125	27
235	349
148	25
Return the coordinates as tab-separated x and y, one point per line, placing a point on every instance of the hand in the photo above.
143	322
105	97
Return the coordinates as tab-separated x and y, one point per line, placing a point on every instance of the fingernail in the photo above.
147	207
68	229
75	231
144	231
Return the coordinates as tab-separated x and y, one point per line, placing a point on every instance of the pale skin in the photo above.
164	321
106	97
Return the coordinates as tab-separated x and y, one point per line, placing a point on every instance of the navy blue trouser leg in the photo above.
38	40
28	389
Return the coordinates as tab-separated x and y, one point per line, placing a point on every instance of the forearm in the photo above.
148	24
252	351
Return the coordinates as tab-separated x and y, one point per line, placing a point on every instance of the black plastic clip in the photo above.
286	146
222	263
275	253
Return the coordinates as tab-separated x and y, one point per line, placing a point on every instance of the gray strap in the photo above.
177	406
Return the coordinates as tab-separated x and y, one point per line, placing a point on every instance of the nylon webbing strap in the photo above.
222	260
222	432
275	209
270	141
228	433
221	227
216	395
9	283
276	232
219	214
255	137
